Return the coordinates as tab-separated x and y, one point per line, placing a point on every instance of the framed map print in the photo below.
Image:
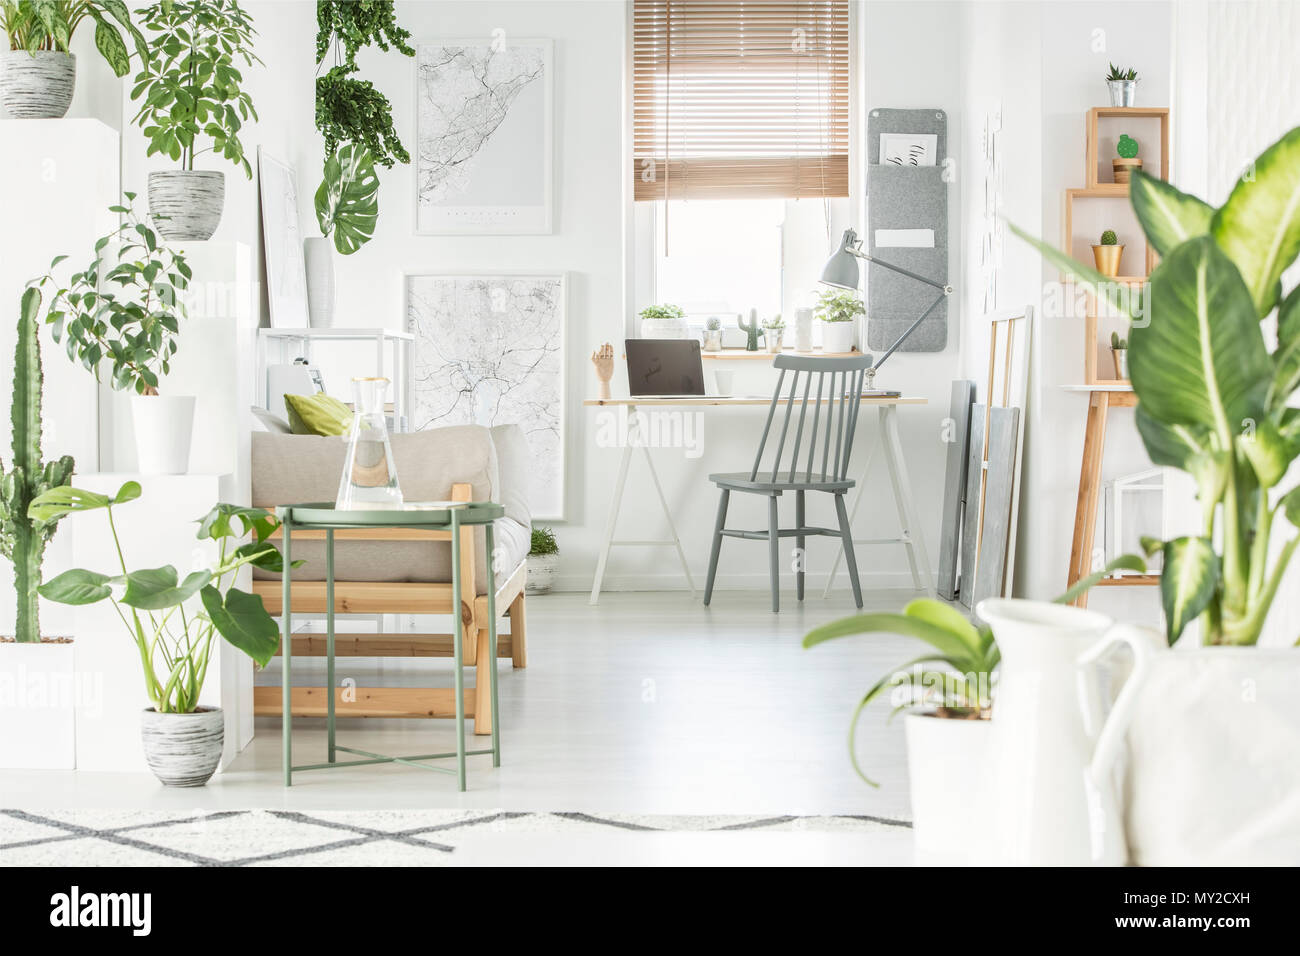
489	350
483	137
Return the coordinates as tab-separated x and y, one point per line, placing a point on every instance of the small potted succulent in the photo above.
1119	352
1122	84
663	322
543	561
713	334
1108	254
839	312
774	333
1126	159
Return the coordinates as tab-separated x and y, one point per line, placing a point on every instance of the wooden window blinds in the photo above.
742	99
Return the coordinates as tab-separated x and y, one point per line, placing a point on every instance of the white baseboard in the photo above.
755	581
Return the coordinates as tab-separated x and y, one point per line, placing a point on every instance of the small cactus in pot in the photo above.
1126	159
713	334
1108	253
1119	352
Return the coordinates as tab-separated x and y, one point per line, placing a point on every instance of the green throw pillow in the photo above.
317	415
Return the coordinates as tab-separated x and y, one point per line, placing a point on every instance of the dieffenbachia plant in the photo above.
35	25
1213	397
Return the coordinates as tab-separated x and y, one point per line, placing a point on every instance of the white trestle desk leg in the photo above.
615	504
672	528
916	554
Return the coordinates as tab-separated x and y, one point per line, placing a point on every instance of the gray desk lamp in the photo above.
842	272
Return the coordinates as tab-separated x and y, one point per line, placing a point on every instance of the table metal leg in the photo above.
459	646
893	448
492	639
329	638
286	652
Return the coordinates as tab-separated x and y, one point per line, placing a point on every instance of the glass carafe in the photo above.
369	476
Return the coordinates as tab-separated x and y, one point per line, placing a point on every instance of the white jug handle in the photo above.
1145	643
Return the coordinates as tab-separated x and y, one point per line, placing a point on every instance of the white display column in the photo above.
156	529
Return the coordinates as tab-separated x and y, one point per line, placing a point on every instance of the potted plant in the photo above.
190	87
713	334
1214	400
124	311
1107	254
1122	84
173	622
38	73
663	322
752	330
838	312
31	658
543	561
1126	158
1119	353
773	333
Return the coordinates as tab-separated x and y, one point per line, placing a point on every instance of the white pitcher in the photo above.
1050	803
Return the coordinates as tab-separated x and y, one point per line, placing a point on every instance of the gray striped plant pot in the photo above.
186	203
183	750
37	85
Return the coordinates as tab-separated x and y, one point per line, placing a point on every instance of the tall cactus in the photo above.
751	330
23	540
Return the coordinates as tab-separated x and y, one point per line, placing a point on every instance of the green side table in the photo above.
324	517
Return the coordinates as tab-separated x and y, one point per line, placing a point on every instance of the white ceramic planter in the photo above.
541	573
164	426
664	329
838	336
318	258
38	700
186	204
946	762
183	750
774	339
37	85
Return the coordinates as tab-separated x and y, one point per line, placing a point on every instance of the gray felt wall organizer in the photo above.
906	197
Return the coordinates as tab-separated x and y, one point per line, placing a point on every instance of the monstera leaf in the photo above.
347	202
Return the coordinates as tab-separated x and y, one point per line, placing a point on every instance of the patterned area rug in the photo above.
331	838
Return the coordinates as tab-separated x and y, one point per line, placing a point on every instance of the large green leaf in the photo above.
109	43
242	620
1201	360
944	641
157	588
1268	451
58	502
1125	562
1122	297
1286	358
77	587
347	202
946	617
1168	216
1187	582
1259	226
220	522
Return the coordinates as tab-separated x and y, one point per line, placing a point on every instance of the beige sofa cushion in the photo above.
296	469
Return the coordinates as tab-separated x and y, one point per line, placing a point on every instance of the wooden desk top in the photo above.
712	400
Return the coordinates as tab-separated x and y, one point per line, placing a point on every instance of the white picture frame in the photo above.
488	349
286	272
478	173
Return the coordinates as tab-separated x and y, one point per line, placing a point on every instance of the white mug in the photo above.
723	379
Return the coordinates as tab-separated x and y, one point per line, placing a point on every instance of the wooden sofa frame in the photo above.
386	597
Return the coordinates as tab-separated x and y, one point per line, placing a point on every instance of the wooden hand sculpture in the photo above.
603	359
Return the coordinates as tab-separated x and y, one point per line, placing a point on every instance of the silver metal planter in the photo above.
186	203
183	750
37	85
1123	92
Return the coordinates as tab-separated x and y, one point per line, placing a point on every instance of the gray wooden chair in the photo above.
831	421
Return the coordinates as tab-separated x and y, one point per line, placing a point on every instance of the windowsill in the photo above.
764	354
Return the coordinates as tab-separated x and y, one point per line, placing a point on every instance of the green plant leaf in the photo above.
946	618
242	620
129	491
109	43
1268	452
1201	360
1189	448
1188	582
57	502
1259	226
77	587
944	641
1127	300
264	555
1168	217
221	520
1286	358
1125	562
157	588
1291	506
347	202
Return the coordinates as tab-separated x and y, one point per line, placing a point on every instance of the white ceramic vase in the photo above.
803	322
838	336
164	426
318	258
183	750
541	573
946	760
38	698
36	85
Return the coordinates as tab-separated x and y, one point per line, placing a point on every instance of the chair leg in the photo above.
717	544
850	559
518	632
799	542
774	552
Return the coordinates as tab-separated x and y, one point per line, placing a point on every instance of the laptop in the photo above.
664	368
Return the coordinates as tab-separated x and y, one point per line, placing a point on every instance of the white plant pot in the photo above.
946	763
664	329
318	257
541	573
37	85
838	336
38	700
164	426
186	204
183	750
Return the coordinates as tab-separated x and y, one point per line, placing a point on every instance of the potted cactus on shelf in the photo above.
713	334
774	333
1108	253
1126	159
752	330
30	658
1119	352
1122	83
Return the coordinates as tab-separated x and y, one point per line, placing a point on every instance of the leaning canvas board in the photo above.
957	435
484	137
286	274
489	350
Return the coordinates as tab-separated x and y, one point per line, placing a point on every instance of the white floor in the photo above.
648	703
